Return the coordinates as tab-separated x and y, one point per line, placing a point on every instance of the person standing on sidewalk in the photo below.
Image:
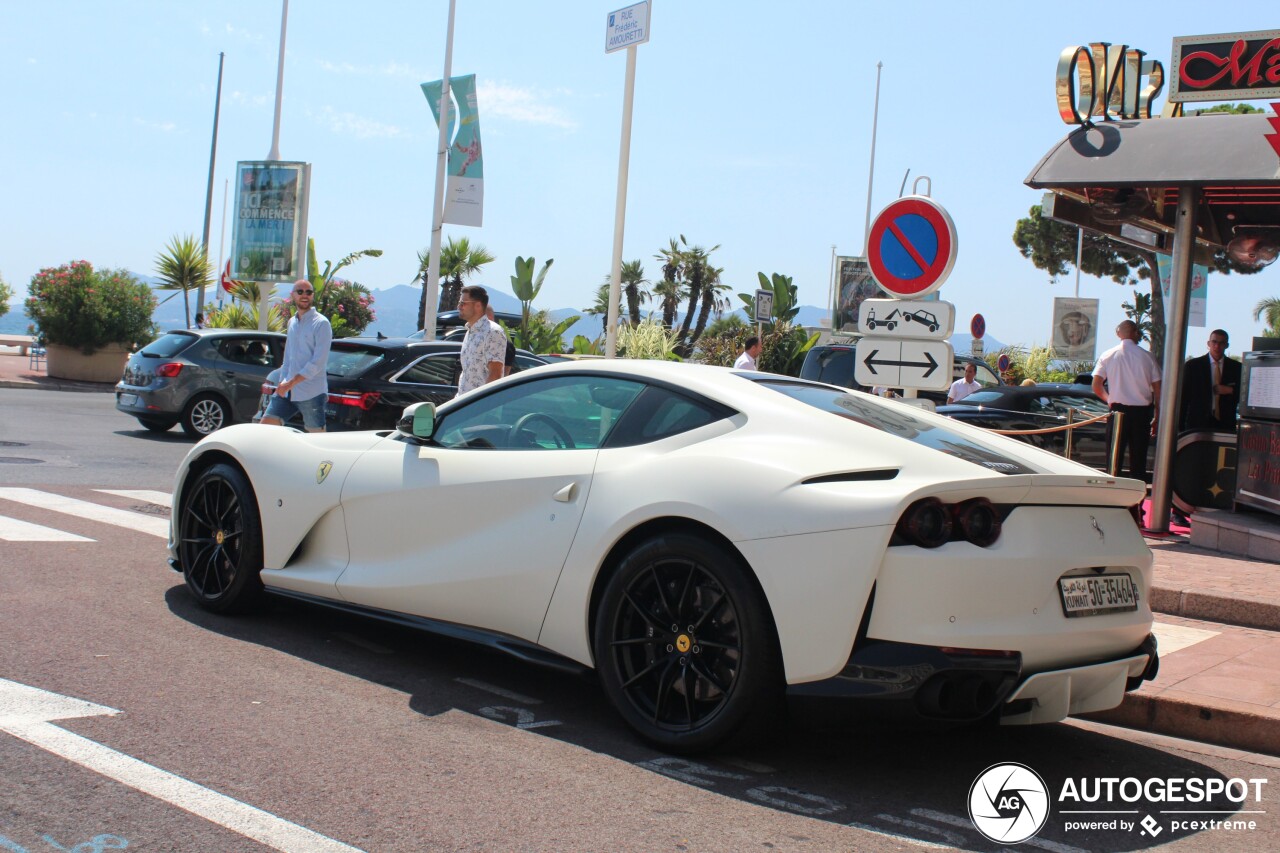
750	352
1132	387
484	349
304	385
1210	388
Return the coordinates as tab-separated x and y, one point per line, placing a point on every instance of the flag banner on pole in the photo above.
269	239
1199	288
226	283
464	191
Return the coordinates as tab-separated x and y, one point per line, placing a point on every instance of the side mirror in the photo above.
418	420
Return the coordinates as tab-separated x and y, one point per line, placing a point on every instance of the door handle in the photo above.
566	494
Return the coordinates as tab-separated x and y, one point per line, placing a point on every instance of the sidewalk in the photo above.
1217	620
16	372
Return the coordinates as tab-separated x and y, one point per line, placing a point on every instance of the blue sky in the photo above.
752	130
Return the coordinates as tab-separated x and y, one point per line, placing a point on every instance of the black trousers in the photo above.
1134	438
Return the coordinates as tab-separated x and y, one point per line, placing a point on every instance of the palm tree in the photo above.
713	300
601	307
671	289
697	264
183	265
1269	308
458	261
633	285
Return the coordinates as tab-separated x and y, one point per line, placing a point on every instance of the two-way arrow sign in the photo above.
904	363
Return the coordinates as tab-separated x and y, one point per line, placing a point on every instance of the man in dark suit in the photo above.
1210	388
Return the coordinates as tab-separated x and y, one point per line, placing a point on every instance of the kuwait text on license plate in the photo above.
1093	595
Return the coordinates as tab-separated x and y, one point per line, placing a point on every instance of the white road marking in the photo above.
91	511
26	712
14	530
1172	638
499	691
149	495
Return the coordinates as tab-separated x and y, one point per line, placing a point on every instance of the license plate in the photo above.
128	399
1094	595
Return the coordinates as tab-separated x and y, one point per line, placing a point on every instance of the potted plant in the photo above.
90	319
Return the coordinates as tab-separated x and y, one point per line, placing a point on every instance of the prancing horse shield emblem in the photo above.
323	471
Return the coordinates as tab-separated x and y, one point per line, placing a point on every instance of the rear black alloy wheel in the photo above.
684	645
220	541
205	414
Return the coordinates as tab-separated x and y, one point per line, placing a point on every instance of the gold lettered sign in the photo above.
1113	81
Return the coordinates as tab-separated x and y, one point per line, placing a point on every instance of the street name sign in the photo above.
627	27
901	318
893	363
912	247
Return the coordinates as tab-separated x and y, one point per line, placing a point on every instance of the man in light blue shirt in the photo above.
304	385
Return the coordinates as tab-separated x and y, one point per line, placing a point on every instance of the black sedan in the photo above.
371	380
1034	407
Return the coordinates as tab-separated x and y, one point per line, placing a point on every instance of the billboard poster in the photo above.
1075	328
855	286
269	240
464	192
1199	288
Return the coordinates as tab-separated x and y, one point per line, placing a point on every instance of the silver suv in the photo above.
203	379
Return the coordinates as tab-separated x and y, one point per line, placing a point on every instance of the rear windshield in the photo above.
169	345
898	419
348	360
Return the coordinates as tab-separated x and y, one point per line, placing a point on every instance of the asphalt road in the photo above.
310	730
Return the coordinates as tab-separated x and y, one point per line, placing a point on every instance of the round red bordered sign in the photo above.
1002	363
978	326
912	247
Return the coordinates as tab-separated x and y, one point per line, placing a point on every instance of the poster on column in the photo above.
464	191
269	239
1075	328
854	285
1199	289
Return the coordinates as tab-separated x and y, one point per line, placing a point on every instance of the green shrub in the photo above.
6	293
76	306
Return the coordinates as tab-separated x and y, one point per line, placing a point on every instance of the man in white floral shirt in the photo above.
484	349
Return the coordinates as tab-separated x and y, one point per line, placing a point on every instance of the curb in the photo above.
1212	607
59	385
1194	721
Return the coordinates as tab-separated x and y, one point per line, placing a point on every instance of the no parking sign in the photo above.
912	247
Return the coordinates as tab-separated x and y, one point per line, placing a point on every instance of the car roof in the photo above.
223	333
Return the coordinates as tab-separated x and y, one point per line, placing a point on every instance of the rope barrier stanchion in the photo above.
1117	428
1070	431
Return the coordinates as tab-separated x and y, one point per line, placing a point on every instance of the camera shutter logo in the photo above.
1008	803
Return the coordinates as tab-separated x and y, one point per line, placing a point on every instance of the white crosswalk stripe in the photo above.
151	496
14	530
148	524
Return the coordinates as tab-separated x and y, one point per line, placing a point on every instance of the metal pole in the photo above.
1071	417
1175	342
833	291
432	284
871	172
266	288
208	194
1079	255
620	207
222	239
1117	427
275	129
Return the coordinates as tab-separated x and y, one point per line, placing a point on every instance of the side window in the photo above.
560	413
1086	407
524	362
661	413
986	376
432	370
250	351
1043	406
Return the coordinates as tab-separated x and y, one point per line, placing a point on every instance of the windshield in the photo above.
898	419
980	398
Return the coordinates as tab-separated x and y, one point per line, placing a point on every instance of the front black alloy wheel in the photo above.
685	646
220	541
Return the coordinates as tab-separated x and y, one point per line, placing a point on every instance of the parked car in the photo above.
204	379
833	364
451	327
660	523
1044	406
372	380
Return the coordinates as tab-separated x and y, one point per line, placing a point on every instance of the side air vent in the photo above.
854	476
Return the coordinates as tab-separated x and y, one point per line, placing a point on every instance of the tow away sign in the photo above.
925	365
898	318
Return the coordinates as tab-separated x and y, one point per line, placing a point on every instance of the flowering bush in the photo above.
6	293
73	305
347	304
